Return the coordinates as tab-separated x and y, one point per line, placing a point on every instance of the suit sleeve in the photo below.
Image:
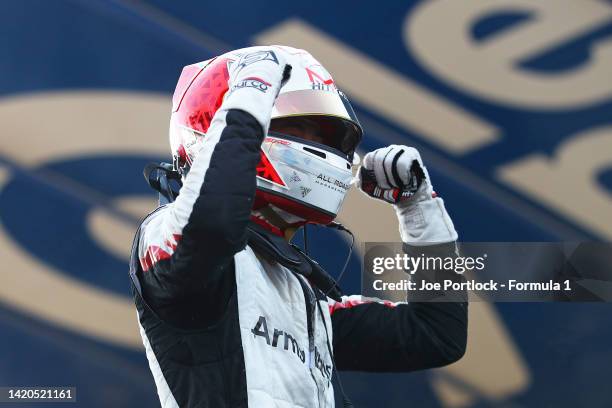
380	336
186	249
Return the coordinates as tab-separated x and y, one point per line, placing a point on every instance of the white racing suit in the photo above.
224	326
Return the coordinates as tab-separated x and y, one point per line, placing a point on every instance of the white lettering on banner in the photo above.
386	92
568	181
489	69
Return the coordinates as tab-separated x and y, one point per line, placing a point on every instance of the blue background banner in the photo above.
509	102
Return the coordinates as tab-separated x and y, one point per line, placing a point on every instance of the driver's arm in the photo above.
186	248
374	335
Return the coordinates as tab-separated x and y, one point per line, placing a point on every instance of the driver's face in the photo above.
298	127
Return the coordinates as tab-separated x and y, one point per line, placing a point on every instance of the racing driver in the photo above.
231	313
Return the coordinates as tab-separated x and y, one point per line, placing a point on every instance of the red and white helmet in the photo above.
300	179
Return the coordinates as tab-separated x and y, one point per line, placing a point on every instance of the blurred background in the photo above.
509	101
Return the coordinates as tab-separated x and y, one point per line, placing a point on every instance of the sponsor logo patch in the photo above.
295	178
278	141
317	86
253	82
321	77
331	183
261	329
282	340
257	56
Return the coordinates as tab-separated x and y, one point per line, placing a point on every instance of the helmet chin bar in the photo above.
277	221
296	209
277	217
302	179
288	218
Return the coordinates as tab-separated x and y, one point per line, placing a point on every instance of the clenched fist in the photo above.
396	174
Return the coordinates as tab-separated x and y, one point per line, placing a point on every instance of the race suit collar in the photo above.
276	248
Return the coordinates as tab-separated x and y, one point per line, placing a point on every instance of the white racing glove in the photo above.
396	174
255	80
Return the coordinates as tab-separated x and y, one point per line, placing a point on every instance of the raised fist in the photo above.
394	174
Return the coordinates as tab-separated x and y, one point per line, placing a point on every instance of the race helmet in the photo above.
301	180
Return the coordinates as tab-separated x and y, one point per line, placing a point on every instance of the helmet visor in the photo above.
330	110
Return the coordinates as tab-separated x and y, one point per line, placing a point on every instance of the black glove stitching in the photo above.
394	171
385	169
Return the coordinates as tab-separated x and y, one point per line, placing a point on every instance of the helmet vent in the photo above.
316	152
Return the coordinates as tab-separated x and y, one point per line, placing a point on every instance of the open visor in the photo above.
331	111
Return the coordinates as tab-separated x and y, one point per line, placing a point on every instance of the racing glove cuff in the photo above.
425	222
